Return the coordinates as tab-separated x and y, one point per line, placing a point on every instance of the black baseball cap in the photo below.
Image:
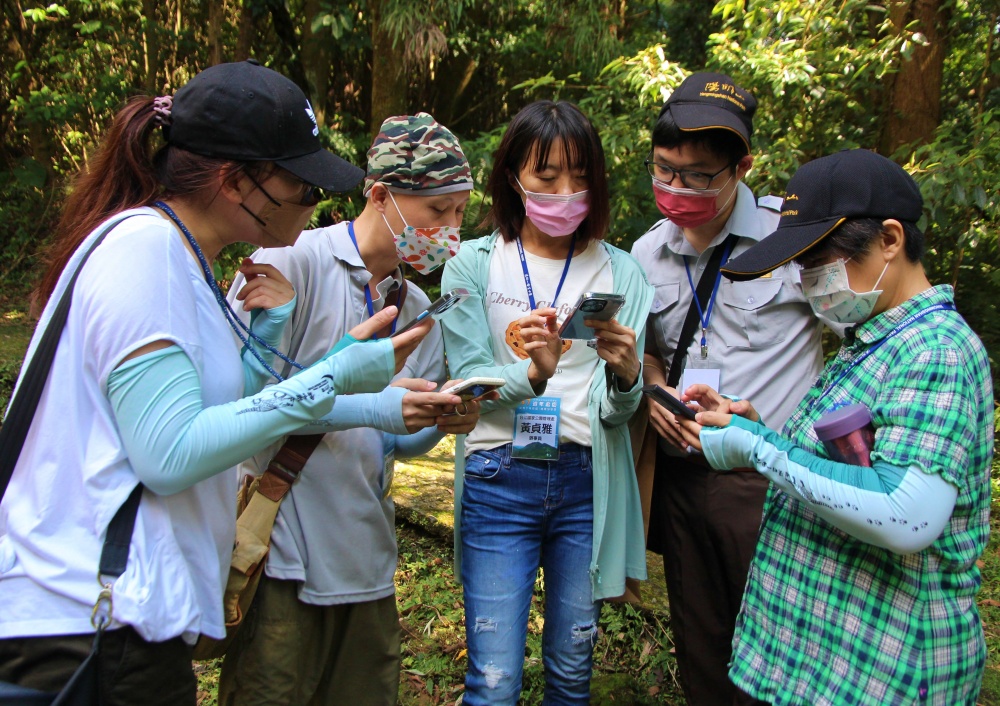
710	101
823	194
248	113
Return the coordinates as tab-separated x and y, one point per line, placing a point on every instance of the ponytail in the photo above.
118	177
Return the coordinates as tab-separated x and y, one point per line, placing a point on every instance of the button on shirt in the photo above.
762	333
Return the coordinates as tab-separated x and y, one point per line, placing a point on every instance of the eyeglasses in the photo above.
690	179
311	195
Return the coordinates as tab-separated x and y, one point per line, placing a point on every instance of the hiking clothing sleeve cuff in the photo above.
269	324
173	441
901	509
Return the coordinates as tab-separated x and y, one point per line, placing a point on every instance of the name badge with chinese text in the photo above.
536	429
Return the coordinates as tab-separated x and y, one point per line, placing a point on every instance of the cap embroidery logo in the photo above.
312	116
791	197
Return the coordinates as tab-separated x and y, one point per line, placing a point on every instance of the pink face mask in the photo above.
556	215
688	208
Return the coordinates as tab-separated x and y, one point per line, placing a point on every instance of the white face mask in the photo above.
832	300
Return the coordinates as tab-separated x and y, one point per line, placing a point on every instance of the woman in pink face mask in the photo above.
545	479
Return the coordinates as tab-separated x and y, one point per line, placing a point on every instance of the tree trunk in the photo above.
244	41
152	82
388	78
915	90
216	15
316	62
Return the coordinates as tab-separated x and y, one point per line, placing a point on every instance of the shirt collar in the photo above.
878	327
743	221
343	249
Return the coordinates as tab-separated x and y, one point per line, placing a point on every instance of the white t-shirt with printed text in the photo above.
506	301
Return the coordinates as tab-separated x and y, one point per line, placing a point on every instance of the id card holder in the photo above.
388	464
704	371
536	429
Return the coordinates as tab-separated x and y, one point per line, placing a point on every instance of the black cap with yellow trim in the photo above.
823	194
707	101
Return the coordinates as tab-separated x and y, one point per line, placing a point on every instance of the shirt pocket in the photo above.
665	325
759	316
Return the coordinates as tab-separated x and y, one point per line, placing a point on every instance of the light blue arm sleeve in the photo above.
382	411
418	443
173	440
900	509
269	324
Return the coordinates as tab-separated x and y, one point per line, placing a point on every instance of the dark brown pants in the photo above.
132	671
705	523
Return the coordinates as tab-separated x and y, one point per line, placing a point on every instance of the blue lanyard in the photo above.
234	321
527	277
912	318
368	292
706	316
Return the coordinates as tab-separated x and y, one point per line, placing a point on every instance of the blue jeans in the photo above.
518	515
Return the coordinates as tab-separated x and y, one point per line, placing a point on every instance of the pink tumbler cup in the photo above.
847	434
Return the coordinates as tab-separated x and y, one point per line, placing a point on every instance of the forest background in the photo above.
915	80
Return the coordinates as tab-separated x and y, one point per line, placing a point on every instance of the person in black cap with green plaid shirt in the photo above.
862	589
757	339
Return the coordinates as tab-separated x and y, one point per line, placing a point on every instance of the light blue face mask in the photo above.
829	292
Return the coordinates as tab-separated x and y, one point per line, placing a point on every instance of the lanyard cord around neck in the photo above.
527	277
909	320
234	321
368	292
704	317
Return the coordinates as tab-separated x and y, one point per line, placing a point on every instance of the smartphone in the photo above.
474	388
438	307
592	305
669	401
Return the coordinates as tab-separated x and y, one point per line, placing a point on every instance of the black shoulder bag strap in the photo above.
703	293
15	428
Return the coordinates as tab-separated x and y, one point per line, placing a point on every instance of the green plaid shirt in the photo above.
829	619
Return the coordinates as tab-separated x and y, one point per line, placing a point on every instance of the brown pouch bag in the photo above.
257	506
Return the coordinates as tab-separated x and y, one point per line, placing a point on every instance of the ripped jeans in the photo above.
519	515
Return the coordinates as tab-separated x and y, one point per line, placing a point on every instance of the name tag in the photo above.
536	429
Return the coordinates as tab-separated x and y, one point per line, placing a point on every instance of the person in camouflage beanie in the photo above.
323	627
414	153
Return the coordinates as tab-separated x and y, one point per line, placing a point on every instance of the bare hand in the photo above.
541	343
403	344
422	407
682	433
265	287
616	346
718	410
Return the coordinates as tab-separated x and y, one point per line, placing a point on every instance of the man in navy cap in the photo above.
755	339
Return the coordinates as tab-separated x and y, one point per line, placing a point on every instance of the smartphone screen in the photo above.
592	305
667	400
437	308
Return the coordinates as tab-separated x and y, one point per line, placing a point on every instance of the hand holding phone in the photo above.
602	306
437	308
667	400
474	388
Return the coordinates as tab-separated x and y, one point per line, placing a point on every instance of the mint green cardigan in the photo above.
619	542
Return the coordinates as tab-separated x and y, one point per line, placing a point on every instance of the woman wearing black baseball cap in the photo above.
150	401
862	589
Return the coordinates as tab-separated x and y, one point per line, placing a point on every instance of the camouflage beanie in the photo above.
415	153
